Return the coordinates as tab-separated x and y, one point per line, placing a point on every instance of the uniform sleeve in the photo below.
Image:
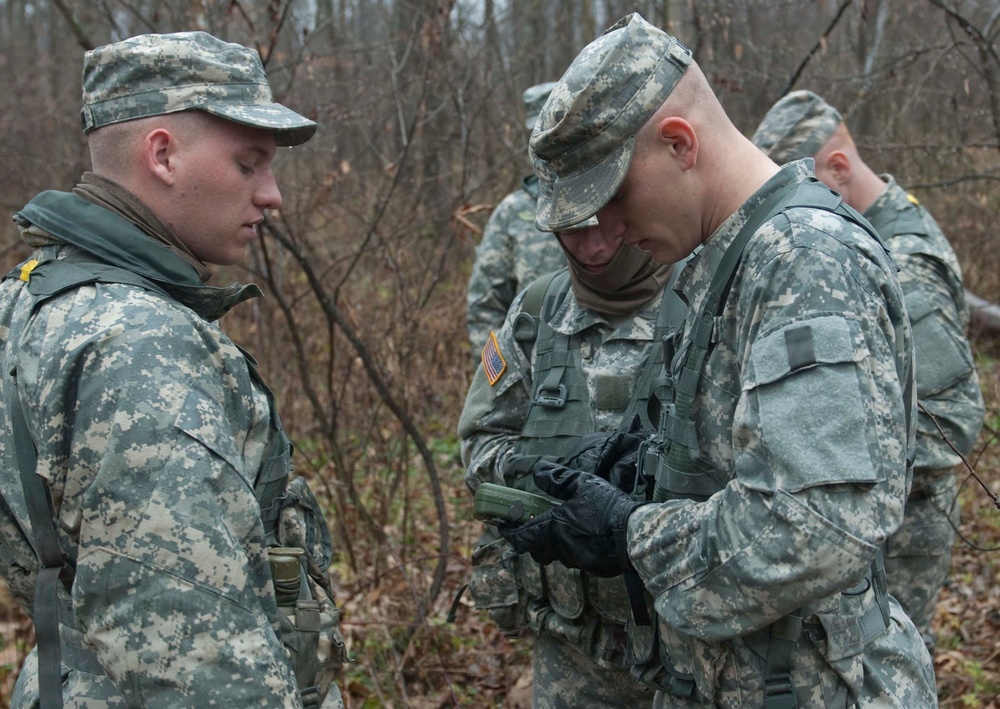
818	443
947	384
172	590
493	283
494	413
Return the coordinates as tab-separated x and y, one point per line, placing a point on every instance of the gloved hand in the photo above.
612	455
588	531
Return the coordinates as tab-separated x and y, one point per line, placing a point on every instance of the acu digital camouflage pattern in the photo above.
919	553
582	144
796	127
151	433
511	255
566	674
814	459
154	74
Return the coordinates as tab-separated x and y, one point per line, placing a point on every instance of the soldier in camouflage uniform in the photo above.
918	554
176	563
512	252
780	458
607	312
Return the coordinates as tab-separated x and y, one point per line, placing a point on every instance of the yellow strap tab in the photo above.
913	199
27	268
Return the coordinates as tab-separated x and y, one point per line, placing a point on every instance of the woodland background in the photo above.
362	332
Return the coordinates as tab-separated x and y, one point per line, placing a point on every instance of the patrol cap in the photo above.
585	224
582	144
534	98
796	127
155	74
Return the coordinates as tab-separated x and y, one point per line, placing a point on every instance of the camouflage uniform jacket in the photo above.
511	255
947	385
150	431
810	444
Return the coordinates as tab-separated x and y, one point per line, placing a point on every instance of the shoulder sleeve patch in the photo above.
913	199
493	362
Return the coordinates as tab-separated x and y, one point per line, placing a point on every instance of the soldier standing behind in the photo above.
781	461
512	252
918	554
580	352
179	564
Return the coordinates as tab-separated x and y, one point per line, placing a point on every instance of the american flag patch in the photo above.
493	362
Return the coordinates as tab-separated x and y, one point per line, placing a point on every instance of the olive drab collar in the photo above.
116	241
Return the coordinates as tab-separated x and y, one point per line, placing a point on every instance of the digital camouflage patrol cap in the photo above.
154	74
796	127
582	144
534	98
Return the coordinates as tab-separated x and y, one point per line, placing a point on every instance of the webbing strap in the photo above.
669	317
45	541
681	454
682	449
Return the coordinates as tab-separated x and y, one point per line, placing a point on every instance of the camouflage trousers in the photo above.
565	678
918	555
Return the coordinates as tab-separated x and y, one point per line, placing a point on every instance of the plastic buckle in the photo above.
778	693
552	401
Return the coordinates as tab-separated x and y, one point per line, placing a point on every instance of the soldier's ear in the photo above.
157	154
680	137
839	166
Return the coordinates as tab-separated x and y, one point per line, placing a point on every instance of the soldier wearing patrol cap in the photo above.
780	458
149	522
512	252
918	555
570	373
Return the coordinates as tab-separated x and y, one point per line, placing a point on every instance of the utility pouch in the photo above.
609	598
495	586
565	590
309	616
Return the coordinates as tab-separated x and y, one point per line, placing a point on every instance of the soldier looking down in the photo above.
781	457
153	532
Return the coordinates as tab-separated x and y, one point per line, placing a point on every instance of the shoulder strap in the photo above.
52	566
526	325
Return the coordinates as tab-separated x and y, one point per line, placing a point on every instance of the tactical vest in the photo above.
559	414
295	582
680	472
560	411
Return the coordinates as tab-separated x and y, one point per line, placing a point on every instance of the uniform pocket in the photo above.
814	406
941	355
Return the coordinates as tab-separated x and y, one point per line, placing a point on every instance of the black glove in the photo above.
588	531
613	455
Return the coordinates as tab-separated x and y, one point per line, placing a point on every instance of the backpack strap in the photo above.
53	567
